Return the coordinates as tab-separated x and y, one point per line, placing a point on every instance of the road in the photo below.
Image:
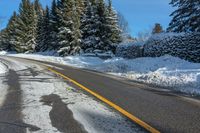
33	99
162	109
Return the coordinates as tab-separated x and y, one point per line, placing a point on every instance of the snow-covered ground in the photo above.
94	116
3	68
168	71
3	87
3	90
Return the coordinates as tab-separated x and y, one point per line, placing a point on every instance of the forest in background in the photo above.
70	27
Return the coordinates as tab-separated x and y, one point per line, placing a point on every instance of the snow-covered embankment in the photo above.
168	71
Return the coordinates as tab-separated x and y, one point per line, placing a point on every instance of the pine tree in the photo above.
27	27
112	28
90	25
69	23
65	26
9	34
109	30
54	24
77	13
44	32
38	8
39	24
4	40
186	18
157	29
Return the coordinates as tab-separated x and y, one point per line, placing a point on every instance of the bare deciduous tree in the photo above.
123	24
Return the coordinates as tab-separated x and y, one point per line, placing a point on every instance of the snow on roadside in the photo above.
3	86
93	115
3	68
3	89
168	71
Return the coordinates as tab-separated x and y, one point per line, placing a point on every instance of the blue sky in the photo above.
140	14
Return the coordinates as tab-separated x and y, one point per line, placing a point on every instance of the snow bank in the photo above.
3	68
168	71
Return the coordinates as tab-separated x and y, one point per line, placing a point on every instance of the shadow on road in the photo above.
10	112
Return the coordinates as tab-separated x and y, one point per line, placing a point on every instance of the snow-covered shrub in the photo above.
182	45
130	50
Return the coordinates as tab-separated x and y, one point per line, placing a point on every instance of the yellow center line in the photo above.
121	110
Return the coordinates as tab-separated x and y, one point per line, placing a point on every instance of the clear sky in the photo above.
140	14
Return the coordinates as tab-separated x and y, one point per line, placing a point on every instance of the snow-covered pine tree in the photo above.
90	25
38	8
69	32
9	34
101	27
195	18
113	31
27	27
53	23
65	26
77	13
4	40
39	24
108	26
186	18
80	6
44	32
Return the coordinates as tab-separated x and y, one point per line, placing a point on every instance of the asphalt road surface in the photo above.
164	110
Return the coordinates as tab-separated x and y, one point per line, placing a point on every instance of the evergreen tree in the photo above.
27	27
53	26
113	31
69	26
44	32
186	18
90	27
101	26
69	33
157	29
109	28
9	34
38	8
4	39
39	24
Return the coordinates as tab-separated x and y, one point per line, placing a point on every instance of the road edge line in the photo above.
116	107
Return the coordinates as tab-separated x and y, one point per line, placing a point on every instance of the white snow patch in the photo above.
3	89
3	85
3	68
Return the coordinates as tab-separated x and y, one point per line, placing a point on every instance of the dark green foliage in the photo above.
43	34
186	18
53	23
66	28
8	35
100	27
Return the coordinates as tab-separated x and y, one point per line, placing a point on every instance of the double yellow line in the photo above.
124	112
